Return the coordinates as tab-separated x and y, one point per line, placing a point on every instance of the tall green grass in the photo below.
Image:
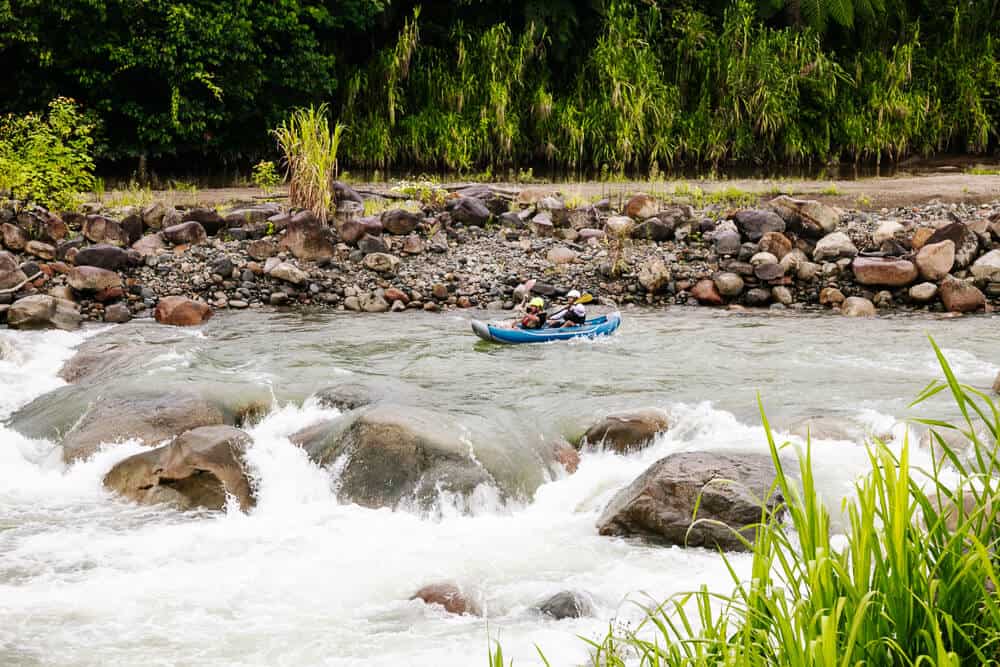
913	584
310	148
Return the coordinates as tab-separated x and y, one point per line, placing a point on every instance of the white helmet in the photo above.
573	294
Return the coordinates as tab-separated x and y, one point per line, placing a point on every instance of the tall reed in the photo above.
310	148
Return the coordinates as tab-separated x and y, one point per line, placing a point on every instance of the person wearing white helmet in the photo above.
572	314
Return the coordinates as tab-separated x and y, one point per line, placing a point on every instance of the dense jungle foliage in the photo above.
612	84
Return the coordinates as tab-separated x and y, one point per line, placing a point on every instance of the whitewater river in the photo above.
87	579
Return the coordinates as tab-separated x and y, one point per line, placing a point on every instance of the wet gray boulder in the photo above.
754	223
198	469
352	395
727	489
566	604
627	431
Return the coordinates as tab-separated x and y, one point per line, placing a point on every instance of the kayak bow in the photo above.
495	333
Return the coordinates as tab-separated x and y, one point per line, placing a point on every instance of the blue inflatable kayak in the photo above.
599	326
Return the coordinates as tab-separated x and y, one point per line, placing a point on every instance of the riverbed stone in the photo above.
102	256
289	273
185	233
706	292
810	217
834	246
987	267
641	207
470	211
92	279
400	221
11	274
729	284
198	469
755	223
117	313
149	245
935	260
654	275
40	250
727	242
99	229
923	292
566	604
727	489
655	229
626	432
856	306
561	255
13	236
776	244
308	239
181	311
960	296
40	311
381	262
965	239
619	226
449	596
887	271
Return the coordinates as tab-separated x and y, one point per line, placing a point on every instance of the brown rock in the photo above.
966	242
887	271
41	311
40	250
413	245
186	233
181	311
149	245
831	296
706	292
775	243
959	296
14	237
566	456
400	221
627	431
10	272
209	219
99	229
103	256
393	294
308	239
92	279
440	291
935	260
198	469
262	249
117	313
857	306
920	237
641	207
448	596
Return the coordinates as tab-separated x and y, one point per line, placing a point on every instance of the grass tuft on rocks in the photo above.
310	148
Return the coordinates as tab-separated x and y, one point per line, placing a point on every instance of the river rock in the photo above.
152	215
209	219
934	260
641	207
965	239
245	216
887	231
627	431
400	222
768	270
834	246
92	279
381	262
353	395
757	297
289	273
813	218
186	233
11	274
151	419
706	292
102	256
262	249
775	243
566	604
40	311
923	292
959	296
655	229
13	236
754	223
344	192
727	242
117	313
449	596
831	296
40	250
887	271
654	275
920	237
198	469
391	455
180	311
372	244
470	211
308	239
149	245
729	284
371	302
987	267
856	306
99	229
619	226
561	255
660	504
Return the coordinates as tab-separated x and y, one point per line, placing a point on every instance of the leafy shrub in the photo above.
47	158
310	149
265	176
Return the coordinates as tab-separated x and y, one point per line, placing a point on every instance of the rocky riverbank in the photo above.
479	246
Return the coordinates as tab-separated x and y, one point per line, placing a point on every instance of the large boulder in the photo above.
400	221
655	229
149	245
811	218
198	469
754	223
935	260
92	279
959	296
654	275
11	274
857	306
209	219
41	311
987	267
309	239
355	229
833	247
13	236
729	284
627	431
151	419
99	229
180	311
641	207
886	271
965	239
152	215
775	243
185	233
289	273
344	192
566	604
43	251
470	211
390	455
706	292
103	256
449	596
727	490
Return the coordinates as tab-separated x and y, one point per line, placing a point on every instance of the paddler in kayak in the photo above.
572	314
536	316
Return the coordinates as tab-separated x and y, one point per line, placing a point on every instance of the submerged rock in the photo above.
181	312
627	431
566	604
449	596
660	504
198	469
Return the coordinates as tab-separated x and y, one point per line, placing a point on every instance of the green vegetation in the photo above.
484	85
265	176
310	148
913	583
48	158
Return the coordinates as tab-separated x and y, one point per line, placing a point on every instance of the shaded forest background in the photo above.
490	84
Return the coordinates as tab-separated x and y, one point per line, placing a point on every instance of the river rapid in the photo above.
88	579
